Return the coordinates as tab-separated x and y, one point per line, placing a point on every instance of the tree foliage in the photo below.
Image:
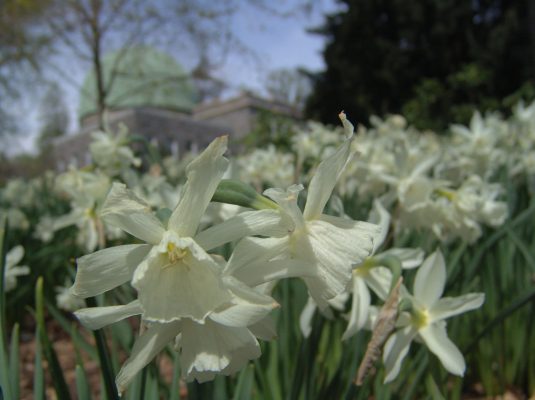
435	61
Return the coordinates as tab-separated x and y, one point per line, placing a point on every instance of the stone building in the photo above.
155	98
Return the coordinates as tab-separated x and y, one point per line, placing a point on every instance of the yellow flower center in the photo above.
420	318
448	194
364	268
174	253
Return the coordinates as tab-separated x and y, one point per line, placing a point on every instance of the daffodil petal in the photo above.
123	209
249	223
97	317
305	319
379	280
436	339
430	279
257	273
396	348
264	329
360	306
332	251
106	269
204	174
409	257
324	180
246	307
380	216
449	306
214	348
255	250
146	347
188	288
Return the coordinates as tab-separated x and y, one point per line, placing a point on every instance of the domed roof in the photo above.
143	77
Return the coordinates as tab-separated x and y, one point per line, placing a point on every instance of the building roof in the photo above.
140	76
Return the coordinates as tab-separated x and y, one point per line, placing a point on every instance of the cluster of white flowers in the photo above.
215	309
443	184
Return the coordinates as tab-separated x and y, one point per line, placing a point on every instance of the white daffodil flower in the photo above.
65	299
371	275
111	152
174	276
427	320
321	249
12	270
223	344
366	275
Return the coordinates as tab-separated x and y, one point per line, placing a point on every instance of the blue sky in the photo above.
278	42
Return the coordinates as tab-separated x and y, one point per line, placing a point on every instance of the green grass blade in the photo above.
14	363
105	361
58	379
5	383
244	386
516	304
82	387
38	374
175	385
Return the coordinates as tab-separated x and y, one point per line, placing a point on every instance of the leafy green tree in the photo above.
435	61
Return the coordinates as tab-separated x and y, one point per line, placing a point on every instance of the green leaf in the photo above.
244	387
14	361
5	383
175	385
60	386
105	361
82	387
38	374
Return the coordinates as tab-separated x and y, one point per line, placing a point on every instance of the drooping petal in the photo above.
204	174
255	274
255	250
287	200
305	318
147	346
123	209
212	348
436	339
106	269
359	231
360	306
396	348
409	257
380	216
14	256
332	251
246	307
450	306
430	279
264	329
324	180
97	317
190	287
249	223
379	279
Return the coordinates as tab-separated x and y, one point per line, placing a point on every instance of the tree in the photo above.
54	117
21	47
432	60
290	86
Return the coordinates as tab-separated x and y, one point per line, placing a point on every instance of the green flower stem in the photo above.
105	361
5	386
231	191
